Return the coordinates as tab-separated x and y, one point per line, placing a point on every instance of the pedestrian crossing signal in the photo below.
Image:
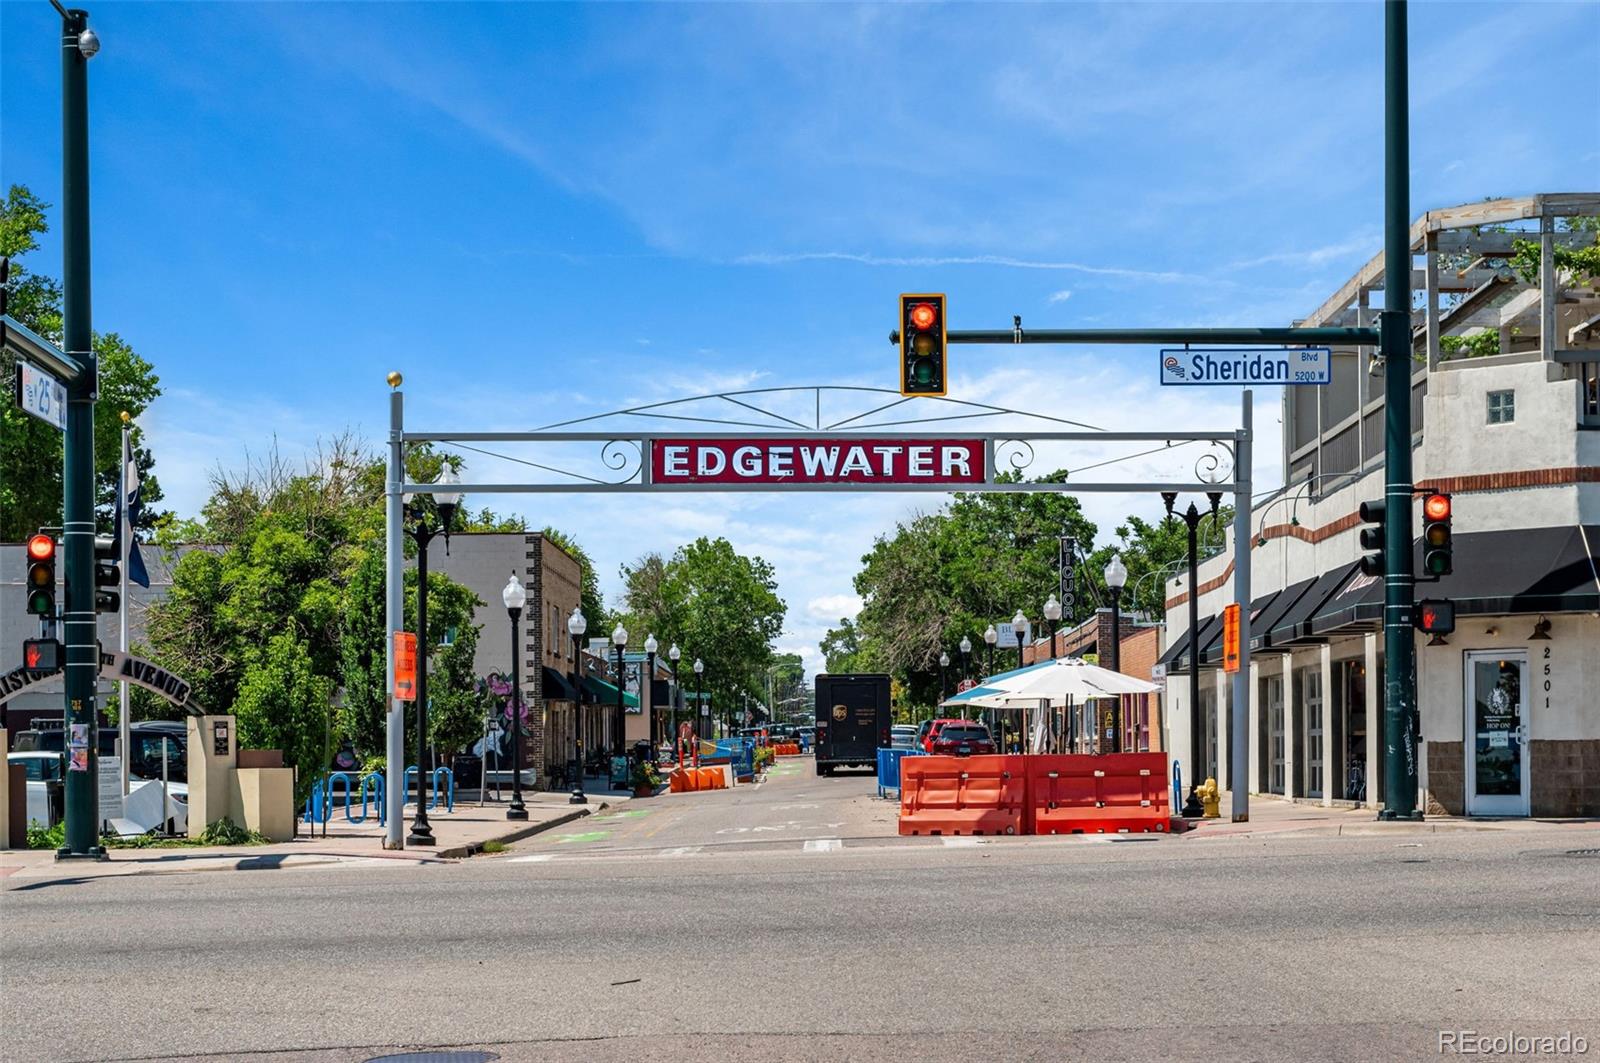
41	656
922	345
1435	616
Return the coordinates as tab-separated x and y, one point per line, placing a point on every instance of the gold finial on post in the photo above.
395	379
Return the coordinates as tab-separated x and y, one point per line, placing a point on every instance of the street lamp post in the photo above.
673	654
576	626
966	654
515	598
944	664
1052	613
991	636
1116	578
699	708
1192	519
1019	624
647	689
423	534
619	639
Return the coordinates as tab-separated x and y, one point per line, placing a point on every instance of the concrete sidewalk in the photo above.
1274	815
458	833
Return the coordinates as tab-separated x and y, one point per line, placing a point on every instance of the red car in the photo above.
930	731
962	738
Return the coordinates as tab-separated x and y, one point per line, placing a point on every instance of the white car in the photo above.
43	768
902	736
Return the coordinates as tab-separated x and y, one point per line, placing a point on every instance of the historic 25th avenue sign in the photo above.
817	460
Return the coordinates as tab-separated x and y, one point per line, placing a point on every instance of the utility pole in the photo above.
1394	330
78	44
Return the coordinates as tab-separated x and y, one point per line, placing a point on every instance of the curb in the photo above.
461	852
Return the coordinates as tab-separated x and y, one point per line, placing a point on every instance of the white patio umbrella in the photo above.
1055	680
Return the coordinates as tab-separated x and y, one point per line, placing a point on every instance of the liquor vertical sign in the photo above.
1069	582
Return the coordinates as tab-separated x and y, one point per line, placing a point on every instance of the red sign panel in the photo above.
817	460
405	666
1230	638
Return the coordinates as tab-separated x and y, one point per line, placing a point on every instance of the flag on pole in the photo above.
129	503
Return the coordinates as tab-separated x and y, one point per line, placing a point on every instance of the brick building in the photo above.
1138	651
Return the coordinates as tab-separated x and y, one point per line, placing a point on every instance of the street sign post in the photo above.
41	394
1190	367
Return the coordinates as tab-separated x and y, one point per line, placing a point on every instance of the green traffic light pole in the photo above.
1394	323
78	44
1393	338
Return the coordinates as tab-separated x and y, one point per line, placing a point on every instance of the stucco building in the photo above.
1509	704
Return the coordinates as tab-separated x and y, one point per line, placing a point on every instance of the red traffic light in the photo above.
923	315
41	548
1436	507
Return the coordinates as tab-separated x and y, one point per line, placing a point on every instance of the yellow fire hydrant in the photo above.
1211	799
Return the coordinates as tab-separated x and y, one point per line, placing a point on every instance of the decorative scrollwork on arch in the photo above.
625	456
1016	453
1215	466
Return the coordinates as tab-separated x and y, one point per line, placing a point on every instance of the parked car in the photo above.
146	737
931	731
45	772
902	736
963	739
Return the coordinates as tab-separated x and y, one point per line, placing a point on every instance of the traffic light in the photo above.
41	656
1435	616
1373	513
106	575
922	345
1437	547
41	575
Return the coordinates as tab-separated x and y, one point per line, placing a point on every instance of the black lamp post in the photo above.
966	655
673	655
1116	578
422	534
1192	519
991	636
1052	613
647	690
944	664
515	598
619	639
576	626
699	705
1019	625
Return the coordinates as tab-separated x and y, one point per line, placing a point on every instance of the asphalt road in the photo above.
660	941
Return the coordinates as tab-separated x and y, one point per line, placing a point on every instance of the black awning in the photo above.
557	687
1295	623
1262	623
1211	634
1516	570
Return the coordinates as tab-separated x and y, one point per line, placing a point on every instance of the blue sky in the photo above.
540	211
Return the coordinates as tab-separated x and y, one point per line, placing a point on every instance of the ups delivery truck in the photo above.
852	721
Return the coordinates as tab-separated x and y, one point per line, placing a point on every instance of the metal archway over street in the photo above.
114	666
817	438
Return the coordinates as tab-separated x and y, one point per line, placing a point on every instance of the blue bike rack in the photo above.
1177	787
433	798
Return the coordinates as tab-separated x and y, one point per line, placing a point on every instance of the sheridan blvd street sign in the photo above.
41	394
817	460
1246	365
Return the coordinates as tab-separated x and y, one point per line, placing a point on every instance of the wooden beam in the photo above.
1547	288
1498	245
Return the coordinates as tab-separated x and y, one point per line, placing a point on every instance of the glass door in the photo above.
1275	733
1314	733
1497	763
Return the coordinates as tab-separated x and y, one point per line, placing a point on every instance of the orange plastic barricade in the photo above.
962	795
1082	794
677	781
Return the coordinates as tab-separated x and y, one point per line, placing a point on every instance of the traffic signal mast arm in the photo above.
1294	337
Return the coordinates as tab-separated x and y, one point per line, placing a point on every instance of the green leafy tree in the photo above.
842	650
591	602
283	703
716	604
30	450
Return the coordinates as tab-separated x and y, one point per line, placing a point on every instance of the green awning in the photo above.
606	694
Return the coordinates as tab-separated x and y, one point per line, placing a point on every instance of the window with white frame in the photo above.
1502	407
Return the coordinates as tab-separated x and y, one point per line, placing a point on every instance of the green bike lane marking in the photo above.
585	836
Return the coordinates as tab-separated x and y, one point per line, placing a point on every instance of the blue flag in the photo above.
129	500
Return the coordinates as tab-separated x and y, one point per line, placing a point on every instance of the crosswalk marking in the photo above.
824	845
683	850
533	858
958	841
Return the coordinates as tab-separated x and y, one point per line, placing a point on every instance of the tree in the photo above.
284	704
30	450
716	604
842	651
943	575
1154	553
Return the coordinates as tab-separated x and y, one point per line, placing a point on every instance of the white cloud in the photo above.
1060	297
831	607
